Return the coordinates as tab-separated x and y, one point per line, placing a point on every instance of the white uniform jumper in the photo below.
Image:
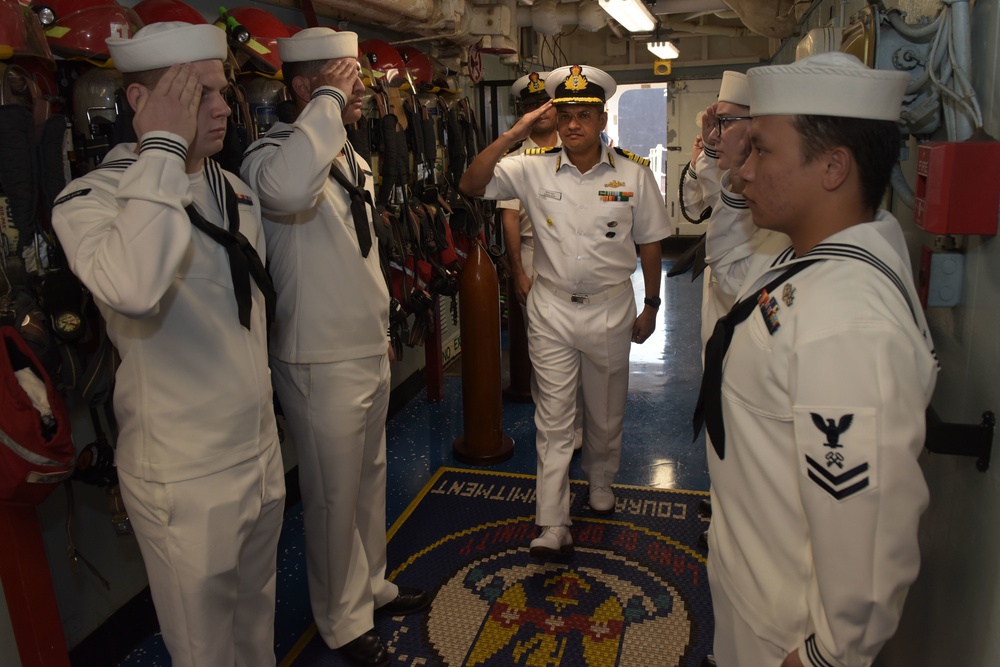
329	355
197	454
584	245
716	300
813	540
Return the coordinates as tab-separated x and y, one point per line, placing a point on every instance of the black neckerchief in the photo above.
244	261
359	198
708	411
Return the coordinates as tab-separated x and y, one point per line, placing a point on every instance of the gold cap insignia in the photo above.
535	84
576	80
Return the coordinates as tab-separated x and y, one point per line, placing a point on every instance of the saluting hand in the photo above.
342	74
736	182
708	124
172	105
522	128
696	149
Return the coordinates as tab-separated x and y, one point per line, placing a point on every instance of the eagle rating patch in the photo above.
837	449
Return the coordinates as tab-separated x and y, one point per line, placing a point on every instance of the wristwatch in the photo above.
652	301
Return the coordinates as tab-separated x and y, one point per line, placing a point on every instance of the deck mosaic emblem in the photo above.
634	593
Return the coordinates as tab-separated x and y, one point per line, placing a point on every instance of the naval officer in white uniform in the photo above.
517	232
590	205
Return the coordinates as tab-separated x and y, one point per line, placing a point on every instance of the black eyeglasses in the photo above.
585	116
722	121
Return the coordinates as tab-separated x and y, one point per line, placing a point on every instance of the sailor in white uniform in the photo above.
171	248
330	350
724	125
816	412
589	205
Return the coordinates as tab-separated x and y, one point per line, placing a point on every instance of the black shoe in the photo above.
703	540
365	651
408	601
705	507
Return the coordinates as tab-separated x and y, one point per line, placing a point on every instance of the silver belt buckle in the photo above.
580	298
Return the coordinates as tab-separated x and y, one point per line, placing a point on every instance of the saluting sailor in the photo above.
816	411
171	247
330	350
589	205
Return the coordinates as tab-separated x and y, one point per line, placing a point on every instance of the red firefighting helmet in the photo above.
417	64
159	11
78	28
260	51
385	59
20	33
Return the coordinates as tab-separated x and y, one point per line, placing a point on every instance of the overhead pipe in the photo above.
549	17
710	30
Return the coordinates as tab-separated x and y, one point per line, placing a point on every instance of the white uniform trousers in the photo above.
571	343
336	413
210	546
736	644
527	255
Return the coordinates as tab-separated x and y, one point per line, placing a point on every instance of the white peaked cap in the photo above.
735	89
317	44
532	83
167	43
827	84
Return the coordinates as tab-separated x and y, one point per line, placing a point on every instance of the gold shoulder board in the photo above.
543	151
632	156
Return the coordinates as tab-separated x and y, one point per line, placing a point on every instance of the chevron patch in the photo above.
837	449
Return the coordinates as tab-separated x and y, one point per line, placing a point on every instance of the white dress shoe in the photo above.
602	500
555	541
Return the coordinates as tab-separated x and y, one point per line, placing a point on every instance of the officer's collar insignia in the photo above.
535	84
769	309
576	79
788	294
614	184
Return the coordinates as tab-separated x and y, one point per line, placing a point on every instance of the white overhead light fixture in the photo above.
632	14
663	50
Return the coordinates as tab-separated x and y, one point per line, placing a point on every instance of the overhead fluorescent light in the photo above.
663	50
632	14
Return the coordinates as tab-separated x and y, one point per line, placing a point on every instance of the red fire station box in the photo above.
958	187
